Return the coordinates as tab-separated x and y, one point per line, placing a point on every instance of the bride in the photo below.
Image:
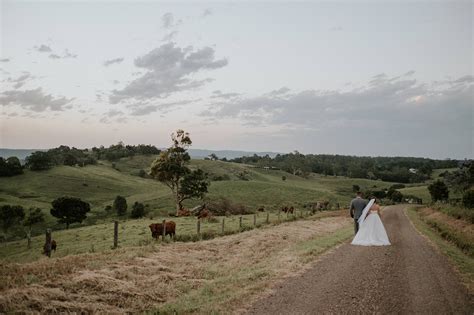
371	231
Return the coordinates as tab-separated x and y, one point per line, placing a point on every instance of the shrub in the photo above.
468	199
438	191
120	205
138	210
142	173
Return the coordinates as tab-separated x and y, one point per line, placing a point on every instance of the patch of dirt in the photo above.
408	277
136	279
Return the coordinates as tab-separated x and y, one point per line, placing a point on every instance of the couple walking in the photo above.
368	226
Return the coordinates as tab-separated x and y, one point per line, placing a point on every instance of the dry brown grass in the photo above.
166	277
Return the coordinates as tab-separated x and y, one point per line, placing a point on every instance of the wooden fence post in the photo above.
115	234
254	220
268	217
279	220
163	234
223	225
28	235
240	223
199	227
47	245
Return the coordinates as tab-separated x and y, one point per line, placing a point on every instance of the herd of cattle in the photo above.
201	212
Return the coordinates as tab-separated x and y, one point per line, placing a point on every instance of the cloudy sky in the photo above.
360	78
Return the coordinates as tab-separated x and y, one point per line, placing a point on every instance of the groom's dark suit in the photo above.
356	207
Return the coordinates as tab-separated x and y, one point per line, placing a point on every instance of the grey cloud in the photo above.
411	72
219	94
68	54
386	102
35	100
113	113
115	81
43	48
169	70
54	56
113	61
167	21
21	80
145	109
5	60
170	36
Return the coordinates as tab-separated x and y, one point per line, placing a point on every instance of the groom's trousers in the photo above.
356	226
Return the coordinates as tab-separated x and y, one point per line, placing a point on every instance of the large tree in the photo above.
39	160
438	191
70	210
171	169
11	215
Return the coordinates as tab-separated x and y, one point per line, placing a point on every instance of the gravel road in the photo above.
406	278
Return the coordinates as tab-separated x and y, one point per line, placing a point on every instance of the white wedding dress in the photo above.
371	232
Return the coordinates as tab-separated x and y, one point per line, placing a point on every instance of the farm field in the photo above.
221	275
100	184
99	237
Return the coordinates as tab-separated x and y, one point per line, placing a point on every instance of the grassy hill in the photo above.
100	184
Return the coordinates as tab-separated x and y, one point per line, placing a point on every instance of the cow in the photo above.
261	209
184	213
157	229
53	246
291	210
204	214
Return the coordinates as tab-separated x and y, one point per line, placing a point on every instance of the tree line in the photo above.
64	155
391	169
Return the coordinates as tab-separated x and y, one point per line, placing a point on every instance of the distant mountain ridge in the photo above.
195	153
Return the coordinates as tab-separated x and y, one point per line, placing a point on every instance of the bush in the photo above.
396	196
438	191
217	178
138	210
120	205
468	199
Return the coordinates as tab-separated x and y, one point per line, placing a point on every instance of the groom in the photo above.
356	207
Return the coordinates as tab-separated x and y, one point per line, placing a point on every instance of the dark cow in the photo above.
157	229
261	209
291	210
53	246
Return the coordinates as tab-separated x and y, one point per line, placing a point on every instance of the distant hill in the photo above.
195	153
229	154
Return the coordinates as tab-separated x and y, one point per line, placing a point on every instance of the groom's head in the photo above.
359	194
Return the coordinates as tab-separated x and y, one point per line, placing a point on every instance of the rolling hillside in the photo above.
100	184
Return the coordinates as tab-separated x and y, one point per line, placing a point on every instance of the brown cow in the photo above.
53	246
184	213
261	209
291	210
204	214
157	229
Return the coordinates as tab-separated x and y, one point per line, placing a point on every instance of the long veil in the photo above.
366	209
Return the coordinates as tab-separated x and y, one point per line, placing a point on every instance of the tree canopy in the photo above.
70	210
171	169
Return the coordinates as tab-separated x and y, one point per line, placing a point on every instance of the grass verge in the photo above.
231	287
463	262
